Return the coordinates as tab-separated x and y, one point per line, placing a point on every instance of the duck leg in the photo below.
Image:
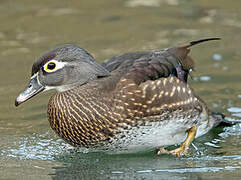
191	133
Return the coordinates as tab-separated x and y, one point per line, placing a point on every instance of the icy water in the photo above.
29	149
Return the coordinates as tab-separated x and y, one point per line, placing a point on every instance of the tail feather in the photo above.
221	120
181	52
192	43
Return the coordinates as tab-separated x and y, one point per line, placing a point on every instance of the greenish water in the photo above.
29	149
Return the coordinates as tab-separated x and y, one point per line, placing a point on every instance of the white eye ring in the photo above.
53	65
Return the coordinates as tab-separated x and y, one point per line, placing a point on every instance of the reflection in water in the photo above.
211	156
150	3
102	166
37	147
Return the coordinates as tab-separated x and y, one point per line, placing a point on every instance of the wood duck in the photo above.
133	102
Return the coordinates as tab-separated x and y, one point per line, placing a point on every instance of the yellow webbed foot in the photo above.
191	133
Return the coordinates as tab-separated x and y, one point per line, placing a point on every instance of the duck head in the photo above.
62	68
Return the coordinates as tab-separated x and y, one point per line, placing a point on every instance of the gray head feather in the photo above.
80	67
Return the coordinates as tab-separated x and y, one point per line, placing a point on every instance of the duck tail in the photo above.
222	120
192	43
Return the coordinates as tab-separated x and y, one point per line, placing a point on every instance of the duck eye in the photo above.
51	66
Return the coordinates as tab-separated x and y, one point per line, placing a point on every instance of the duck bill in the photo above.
33	88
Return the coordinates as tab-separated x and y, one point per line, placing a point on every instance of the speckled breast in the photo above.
94	125
82	119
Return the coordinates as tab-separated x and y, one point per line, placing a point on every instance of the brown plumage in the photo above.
127	102
91	114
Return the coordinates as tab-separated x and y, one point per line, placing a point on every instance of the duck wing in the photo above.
150	83
155	64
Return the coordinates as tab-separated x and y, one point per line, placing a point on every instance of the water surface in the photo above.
29	149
